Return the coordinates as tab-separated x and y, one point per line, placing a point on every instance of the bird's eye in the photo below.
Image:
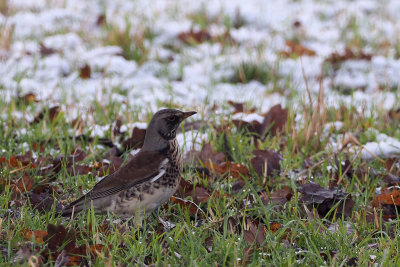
171	118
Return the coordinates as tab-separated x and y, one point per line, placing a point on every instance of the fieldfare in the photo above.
147	180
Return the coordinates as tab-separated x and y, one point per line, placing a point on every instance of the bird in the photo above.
147	180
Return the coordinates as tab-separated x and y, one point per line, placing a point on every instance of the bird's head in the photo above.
163	126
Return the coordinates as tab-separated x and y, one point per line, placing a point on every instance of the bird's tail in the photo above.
74	207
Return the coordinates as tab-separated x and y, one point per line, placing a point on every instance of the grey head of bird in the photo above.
162	128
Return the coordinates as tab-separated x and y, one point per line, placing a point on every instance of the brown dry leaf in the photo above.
99	249
185	204
296	49
387	197
253	232
136	140
43	201
104	168
274	123
24	256
194	37
391	180
21	160
59	237
24	184
39	235
62	259
199	193
85	72
275	120
208	155
71	163
46	51
241	107
336	58
266	163
275	226
389	164
52	112
77	155
254	127
185	188
28	98
37	147
228	169
208	243
394	114
278	197
101	20
76	169
324	199
247	255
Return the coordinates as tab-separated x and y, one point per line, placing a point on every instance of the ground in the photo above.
293	157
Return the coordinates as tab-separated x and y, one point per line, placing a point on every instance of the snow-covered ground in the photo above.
195	76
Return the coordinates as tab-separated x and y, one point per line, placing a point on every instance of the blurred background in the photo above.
99	61
298	122
146	54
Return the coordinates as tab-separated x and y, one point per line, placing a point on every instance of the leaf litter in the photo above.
210	165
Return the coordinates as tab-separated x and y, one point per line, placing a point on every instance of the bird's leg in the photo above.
136	221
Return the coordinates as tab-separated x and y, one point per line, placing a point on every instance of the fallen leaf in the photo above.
17	161
43	202
278	197
296	49
275	226
99	249
336	58
101	20
394	114
62	259
253	232
24	184
46	51
266	163
324	199
28	98
208	155
391	180
228	170
85	72
52	113
275	120
136	140
59	237
38	235
240	107
185	204
254	127
199	193
24	254
208	243
274	123
193	37
387	197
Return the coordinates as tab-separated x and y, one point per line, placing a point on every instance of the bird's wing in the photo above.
144	166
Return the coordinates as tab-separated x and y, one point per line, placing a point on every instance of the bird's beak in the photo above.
188	114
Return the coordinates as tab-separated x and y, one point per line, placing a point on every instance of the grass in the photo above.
208	237
219	233
132	43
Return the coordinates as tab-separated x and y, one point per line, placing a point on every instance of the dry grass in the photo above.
315	116
4	8
6	36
